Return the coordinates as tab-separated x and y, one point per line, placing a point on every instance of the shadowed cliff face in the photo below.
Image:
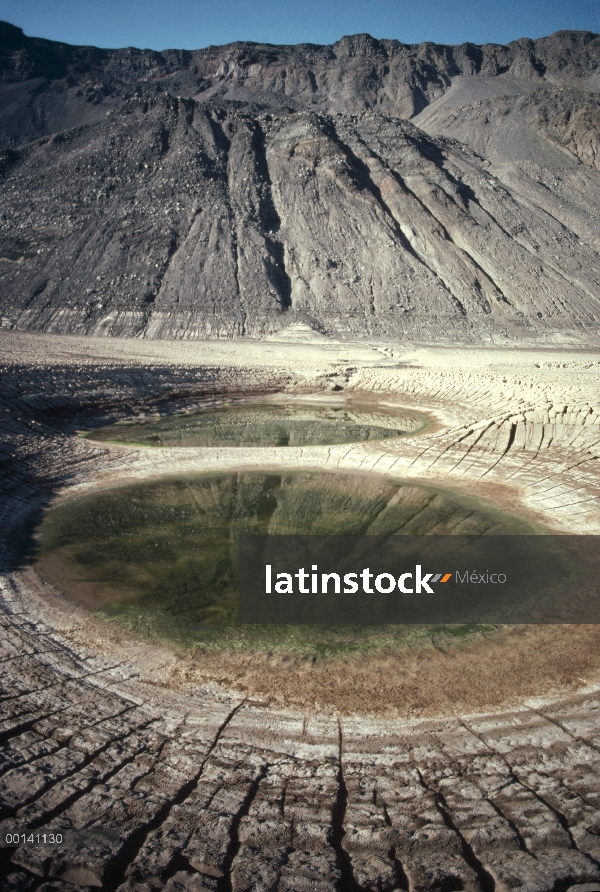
47	86
290	189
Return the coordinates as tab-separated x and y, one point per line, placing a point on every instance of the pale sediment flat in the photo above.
477	769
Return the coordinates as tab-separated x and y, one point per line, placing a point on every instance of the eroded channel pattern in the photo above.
209	793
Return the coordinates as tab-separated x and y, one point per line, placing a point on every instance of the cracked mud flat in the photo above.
472	768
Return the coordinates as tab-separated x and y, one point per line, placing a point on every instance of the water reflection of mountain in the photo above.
166	552
268	425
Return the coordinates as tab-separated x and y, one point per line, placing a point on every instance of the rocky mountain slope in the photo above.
239	190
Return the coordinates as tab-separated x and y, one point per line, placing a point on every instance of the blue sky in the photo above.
190	24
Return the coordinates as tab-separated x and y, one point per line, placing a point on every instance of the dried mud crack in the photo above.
474	771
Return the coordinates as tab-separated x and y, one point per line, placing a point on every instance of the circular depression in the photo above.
269	423
161	557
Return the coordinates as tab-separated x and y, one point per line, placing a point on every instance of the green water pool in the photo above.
291	423
161	556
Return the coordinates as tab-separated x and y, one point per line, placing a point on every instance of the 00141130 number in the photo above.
36	839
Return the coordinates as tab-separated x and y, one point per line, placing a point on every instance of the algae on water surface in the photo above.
161	557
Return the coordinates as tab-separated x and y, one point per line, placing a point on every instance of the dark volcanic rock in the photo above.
46	86
288	186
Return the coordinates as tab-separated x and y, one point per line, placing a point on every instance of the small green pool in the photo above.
292	423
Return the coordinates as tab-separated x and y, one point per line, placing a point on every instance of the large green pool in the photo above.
161	556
